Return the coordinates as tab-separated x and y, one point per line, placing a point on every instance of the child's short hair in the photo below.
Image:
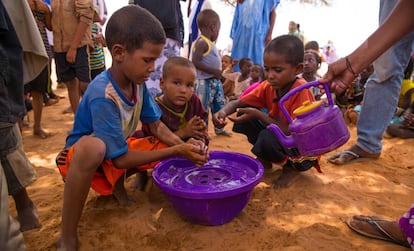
288	45
131	26
312	45
174	61
316	54
206	17
227	56
244	61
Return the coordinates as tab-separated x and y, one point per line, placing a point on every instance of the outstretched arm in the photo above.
162	132
219	118
398	24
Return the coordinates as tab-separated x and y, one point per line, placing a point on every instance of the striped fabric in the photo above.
96	54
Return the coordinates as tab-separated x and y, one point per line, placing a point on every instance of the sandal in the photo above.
352	154
377	228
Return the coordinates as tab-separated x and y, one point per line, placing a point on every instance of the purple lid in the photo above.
225	174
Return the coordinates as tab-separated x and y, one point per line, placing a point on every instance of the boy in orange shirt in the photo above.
283	61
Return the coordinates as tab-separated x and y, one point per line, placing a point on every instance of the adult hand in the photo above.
339	77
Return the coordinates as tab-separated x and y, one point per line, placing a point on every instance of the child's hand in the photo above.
408	118
195	150
217	74
219	119
196	128
246	114
99	38
234	62
71	55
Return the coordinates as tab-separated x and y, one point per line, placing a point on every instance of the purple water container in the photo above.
212	194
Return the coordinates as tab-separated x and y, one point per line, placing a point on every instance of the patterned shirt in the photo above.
41	24
96	54
104	112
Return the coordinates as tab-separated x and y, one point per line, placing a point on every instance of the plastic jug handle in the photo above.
300	88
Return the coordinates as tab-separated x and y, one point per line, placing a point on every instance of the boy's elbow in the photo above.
154	127
121	161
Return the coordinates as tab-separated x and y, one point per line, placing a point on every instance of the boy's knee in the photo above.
92	148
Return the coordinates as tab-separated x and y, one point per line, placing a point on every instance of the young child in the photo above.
350	102
37	88
98	152
182	111
407	87
402	123
257	74
256	78
96	52
71	24
283	61
311	63
207	61
228	85
405	130
241	79
314	45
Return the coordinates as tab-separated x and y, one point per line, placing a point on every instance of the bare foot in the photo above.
121	195
28	218
140	181
288	176
266	164
72	245
41	133
26	211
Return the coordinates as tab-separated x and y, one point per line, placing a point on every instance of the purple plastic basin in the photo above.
212	194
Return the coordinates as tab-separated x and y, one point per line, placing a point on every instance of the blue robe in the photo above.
249	29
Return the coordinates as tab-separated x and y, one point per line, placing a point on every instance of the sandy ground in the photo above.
309	215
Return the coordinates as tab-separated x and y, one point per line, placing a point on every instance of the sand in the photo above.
309	215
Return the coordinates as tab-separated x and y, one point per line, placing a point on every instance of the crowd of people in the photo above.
172	96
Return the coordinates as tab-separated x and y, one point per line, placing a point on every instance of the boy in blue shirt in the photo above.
99	149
